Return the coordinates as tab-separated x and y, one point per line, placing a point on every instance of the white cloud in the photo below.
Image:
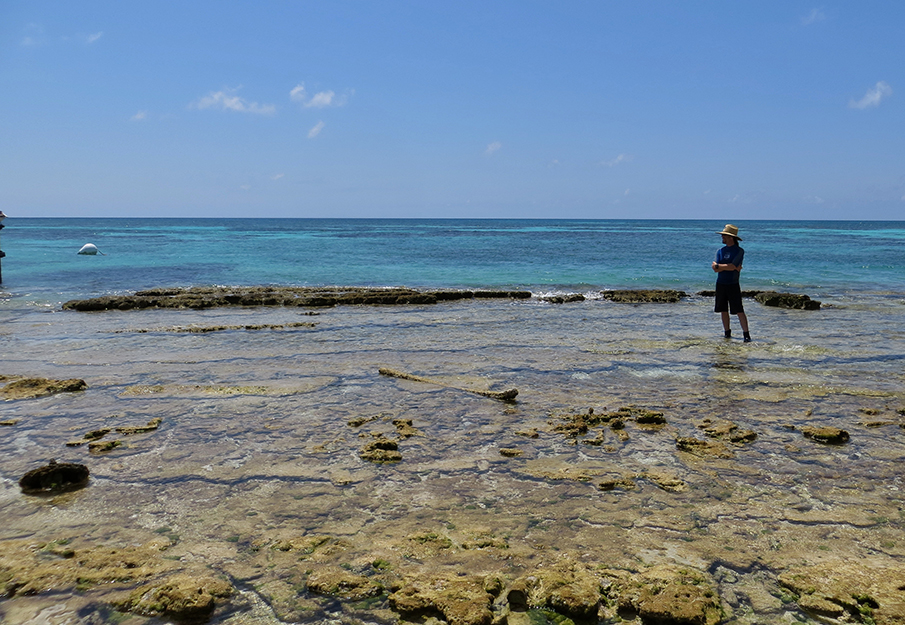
316	130
277	176
816	15
34	35
622	158
227	100
140	116
245	187
95	37
873	96
298	93
319	100
493	147
627	191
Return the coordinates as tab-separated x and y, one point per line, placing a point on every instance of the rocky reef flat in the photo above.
490	461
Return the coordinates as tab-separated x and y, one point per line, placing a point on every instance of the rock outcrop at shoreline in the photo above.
796	301
644	296
787	300
216	297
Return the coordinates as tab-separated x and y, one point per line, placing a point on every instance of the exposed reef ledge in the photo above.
217	297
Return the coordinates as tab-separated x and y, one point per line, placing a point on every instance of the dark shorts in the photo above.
728	296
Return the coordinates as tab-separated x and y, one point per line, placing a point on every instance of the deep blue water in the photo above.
829	258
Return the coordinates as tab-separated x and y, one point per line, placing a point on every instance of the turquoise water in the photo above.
255	442
824	259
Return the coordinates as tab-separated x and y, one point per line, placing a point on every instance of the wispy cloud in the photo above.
227	100
873	97
316	130
34	36
321	99
622	158
493	147
140	116
277	176
816	15
92	38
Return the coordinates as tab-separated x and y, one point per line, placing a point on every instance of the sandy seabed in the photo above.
255	475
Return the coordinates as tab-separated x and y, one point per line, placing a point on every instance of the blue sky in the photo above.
722	110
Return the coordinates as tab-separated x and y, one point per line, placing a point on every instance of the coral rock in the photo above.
54	478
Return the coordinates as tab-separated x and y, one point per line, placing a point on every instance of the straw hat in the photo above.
731	230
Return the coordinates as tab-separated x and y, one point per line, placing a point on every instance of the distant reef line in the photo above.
202	297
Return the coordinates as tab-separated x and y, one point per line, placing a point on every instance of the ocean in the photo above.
258	474
825	259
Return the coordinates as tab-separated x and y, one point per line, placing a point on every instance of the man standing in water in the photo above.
728	265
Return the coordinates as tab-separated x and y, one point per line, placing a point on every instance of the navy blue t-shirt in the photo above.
729	255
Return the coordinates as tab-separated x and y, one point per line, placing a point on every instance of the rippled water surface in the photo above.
255	444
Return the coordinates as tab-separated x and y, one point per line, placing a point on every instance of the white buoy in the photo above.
90	249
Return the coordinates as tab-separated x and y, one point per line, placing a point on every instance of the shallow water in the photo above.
255	445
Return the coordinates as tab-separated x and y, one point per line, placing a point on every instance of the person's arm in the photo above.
717	267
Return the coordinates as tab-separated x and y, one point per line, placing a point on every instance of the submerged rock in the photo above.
181	597
54	478
152	425
849	592
459	600
28	567
405	429
621	483
668	595
703	448
336	582
567	589
726	430
828	435
99	447
380	450
29	388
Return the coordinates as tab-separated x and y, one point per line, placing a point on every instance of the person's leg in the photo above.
743	320
721	305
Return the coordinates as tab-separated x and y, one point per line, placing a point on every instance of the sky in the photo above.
776	109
